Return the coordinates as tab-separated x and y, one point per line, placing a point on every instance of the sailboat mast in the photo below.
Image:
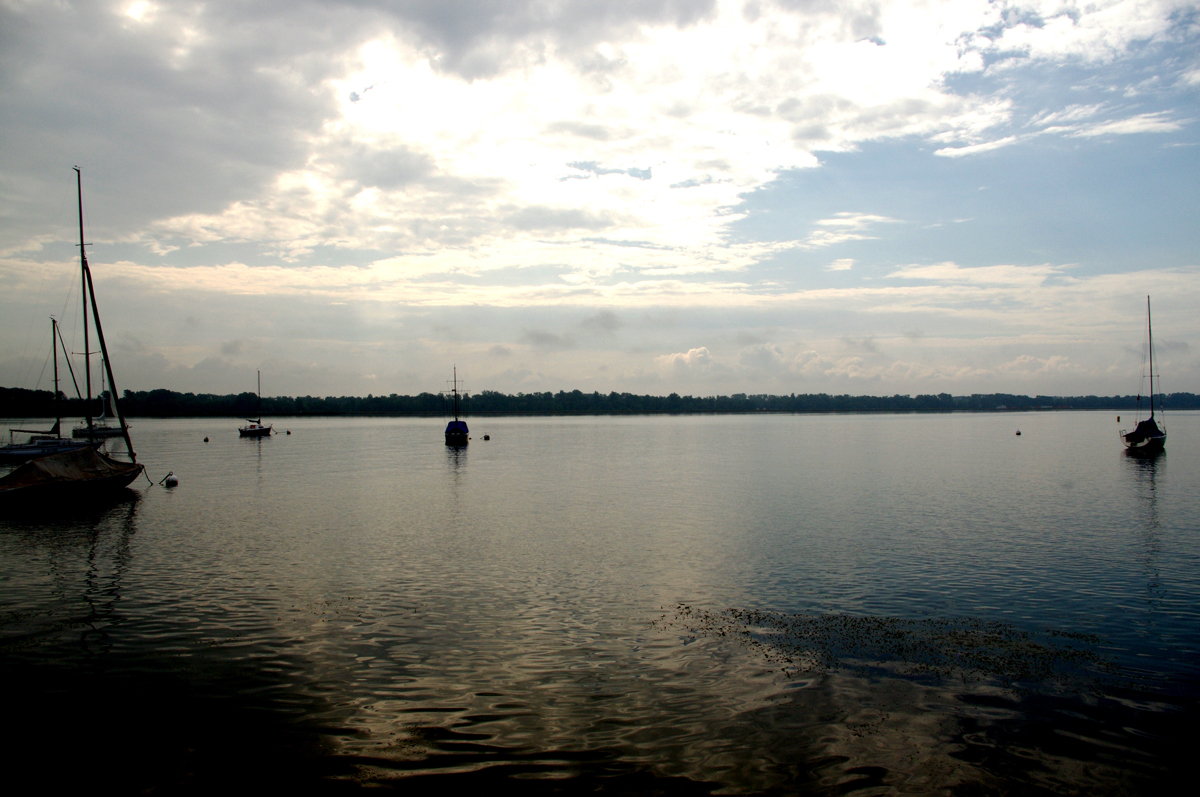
1150	334
259	407
455	391
54	345
83	269
89	290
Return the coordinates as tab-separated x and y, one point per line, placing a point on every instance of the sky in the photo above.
694	196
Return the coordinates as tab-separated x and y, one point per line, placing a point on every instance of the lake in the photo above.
669	605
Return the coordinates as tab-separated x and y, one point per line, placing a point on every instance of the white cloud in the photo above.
975	149
1159	122
841	264
697	358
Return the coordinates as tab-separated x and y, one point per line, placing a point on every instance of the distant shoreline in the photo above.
23	403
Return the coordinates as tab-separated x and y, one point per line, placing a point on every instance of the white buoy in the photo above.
170	479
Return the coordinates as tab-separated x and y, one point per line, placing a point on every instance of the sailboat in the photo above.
43	443
1148	437
83	471
456	430
254	427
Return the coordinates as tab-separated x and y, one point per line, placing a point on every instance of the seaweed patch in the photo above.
965	649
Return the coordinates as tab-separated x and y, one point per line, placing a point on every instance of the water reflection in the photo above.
73	561
1145	471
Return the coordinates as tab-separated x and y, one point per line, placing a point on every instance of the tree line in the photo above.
22	403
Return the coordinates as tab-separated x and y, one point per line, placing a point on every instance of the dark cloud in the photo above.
546	340
500	350
380	168
478	38
604	322
231	347
161	125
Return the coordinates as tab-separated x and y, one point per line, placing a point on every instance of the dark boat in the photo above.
81	472
254	427
456	430
1149	436
73	475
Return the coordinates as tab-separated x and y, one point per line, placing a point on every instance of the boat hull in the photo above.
71	476
1149	445
97	432
456	433
254	431
23	452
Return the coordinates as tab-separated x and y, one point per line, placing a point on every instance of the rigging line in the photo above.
67	357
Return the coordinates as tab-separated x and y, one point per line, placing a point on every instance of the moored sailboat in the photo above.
254	426
456	430
42	443
1149	436
80	471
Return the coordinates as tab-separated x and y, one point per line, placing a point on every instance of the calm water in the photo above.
767	604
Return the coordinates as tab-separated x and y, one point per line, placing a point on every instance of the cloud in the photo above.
951	273
840	228
540	339
975	149
693	359
1158	122
604	322
841	264
1027	365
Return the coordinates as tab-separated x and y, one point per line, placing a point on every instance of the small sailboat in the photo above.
81	472
50	441
254	426
1149	436
456	430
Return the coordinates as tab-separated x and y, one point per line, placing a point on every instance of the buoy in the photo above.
1018	433
487	437
170	479
289	431
206	439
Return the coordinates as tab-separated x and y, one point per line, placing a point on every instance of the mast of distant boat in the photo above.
1150	334
454	391
89	289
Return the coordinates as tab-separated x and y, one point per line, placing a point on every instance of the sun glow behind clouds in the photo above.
676	123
